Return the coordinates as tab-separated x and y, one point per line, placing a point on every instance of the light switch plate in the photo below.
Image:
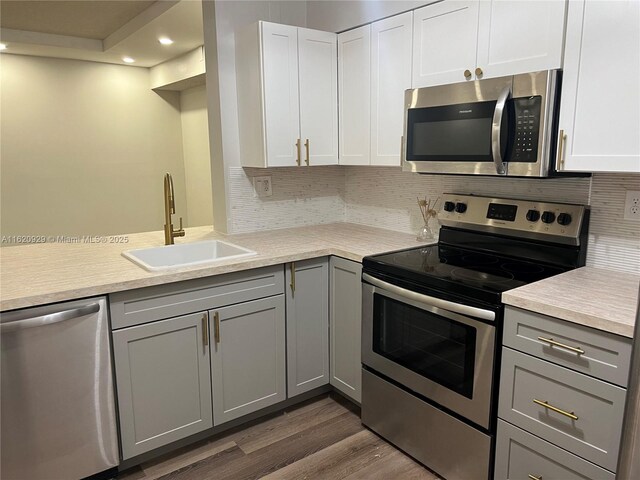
262	186
632	206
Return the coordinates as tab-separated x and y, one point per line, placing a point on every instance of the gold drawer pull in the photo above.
543	403
298	146
553	343
561	139
205	329
306	146
216	325
533	477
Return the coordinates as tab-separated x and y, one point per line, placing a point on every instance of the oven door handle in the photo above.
433	301
496	127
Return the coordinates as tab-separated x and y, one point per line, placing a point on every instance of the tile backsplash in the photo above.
301	196
386	197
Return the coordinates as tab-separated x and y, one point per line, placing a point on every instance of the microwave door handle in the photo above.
432	301
496	127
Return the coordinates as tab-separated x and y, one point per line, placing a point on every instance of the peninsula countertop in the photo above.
598	298
38	274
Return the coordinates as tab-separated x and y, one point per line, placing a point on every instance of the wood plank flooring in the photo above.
320	439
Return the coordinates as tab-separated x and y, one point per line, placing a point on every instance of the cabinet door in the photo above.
163	380
280	93
445	35
600	96
354	80
520	455
247	357
390	77
520	37
307	325
318	63
346	323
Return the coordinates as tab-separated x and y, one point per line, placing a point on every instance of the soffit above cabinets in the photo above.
102	31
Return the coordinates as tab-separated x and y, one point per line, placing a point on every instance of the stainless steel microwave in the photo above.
498	126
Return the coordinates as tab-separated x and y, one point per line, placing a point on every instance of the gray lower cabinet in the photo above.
345	314
248	361
520	455
571	410
163	382
307	287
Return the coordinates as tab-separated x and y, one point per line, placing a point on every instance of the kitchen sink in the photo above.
185	255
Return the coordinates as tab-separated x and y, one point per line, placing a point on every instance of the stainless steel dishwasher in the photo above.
57	401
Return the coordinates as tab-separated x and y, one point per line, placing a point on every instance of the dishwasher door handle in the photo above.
49	319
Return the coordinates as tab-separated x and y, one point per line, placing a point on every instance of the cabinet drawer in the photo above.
606	356
598	406
520	455
143	305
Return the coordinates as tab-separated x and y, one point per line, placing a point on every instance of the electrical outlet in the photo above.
262	186
632	206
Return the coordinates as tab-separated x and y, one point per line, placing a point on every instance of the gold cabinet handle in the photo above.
205	329
561	138
292	265
299	151
467	74
553	343
533	477
545	404
216	326
306	146
479	72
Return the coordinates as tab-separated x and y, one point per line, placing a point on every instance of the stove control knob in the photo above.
548	217
533	215
461	207
449	206
564	219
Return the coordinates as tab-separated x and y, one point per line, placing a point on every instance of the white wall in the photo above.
84	147
197	163
340	15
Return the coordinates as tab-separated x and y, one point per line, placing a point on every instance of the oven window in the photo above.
433	346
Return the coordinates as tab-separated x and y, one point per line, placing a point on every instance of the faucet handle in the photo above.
180	231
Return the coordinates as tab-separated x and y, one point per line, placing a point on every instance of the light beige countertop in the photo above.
52	272
594	297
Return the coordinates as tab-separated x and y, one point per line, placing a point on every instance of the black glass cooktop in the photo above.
455	270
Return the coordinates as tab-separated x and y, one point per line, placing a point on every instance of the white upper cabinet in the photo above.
287	96
280	101
445	35
457	41
317	64
354	81
599	113
390	77
374	70
519	36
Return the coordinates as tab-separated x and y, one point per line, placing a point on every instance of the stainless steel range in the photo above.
432	324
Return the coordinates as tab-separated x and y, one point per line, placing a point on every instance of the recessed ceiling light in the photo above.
3	46
165	40
128	60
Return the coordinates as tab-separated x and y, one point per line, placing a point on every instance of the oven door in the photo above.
445	356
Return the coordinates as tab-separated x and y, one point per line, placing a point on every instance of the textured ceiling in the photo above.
95	19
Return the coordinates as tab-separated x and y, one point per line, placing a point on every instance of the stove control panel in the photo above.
547	221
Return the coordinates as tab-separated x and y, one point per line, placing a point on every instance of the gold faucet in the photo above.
170	208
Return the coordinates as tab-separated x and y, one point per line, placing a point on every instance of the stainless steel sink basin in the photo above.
185	255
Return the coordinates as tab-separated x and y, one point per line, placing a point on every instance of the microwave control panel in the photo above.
526	124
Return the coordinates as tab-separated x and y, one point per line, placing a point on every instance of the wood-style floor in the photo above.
320	439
